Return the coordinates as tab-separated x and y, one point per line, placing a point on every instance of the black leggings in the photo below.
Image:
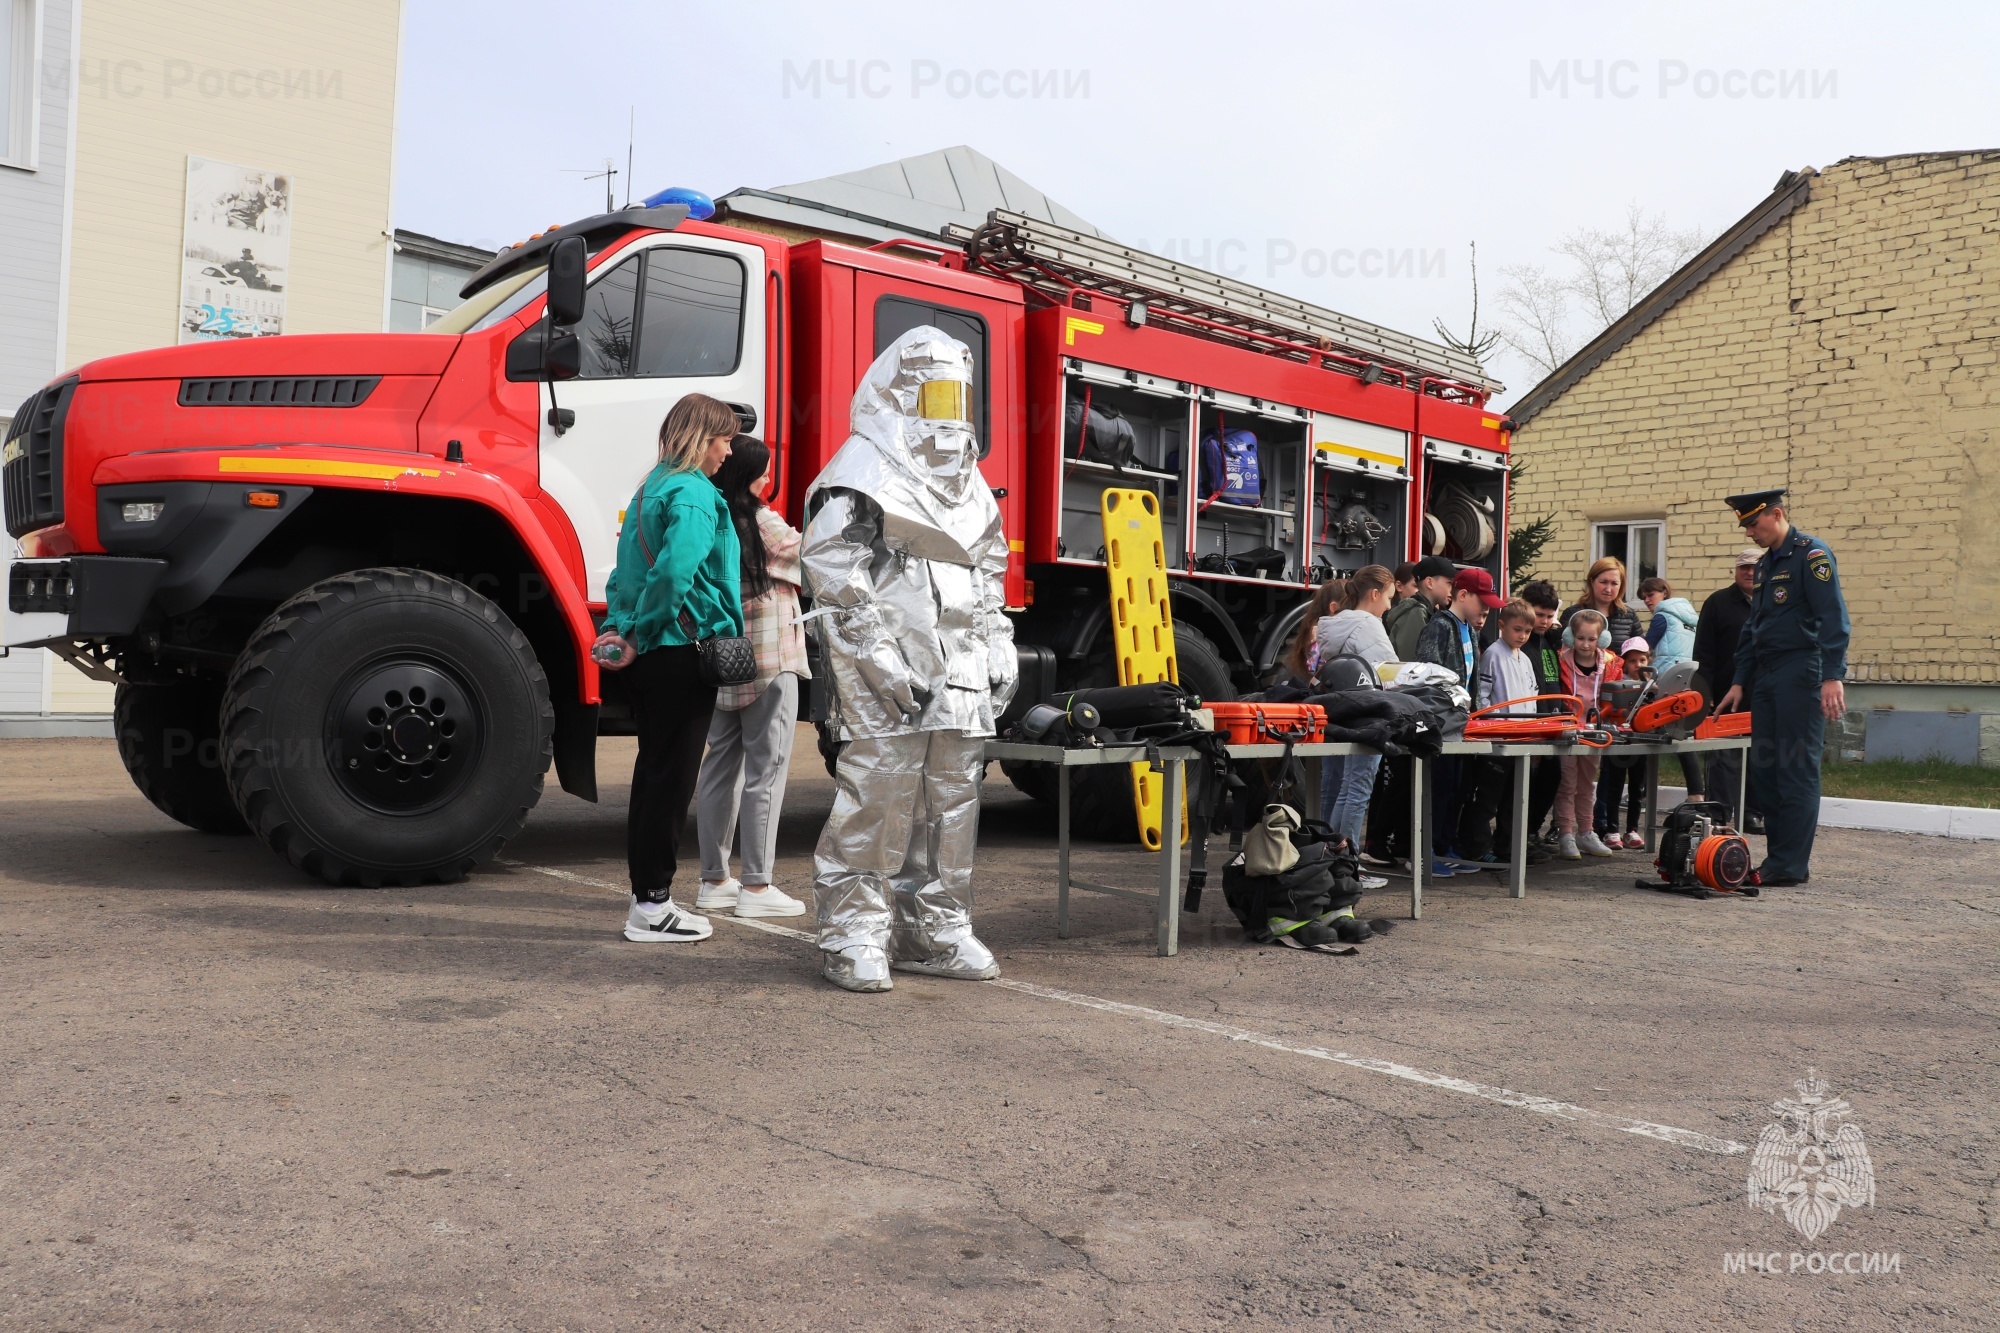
671	708
1617	786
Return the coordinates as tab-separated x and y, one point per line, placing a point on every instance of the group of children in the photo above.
1535	648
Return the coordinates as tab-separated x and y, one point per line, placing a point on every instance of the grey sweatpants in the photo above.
749	750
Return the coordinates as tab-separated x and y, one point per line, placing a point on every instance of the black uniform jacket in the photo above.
1795	608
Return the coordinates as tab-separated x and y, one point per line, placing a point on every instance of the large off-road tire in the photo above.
388	726
1100	798
170	737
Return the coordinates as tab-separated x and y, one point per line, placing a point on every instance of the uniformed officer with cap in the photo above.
1790	664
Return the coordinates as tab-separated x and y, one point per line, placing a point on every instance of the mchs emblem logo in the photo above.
1806	1167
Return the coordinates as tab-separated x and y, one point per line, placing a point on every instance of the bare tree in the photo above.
1474	344
1535	309
1606	274
1611	270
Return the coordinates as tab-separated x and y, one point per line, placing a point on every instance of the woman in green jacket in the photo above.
676	582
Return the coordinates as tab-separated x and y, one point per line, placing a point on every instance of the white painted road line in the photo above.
1526	1101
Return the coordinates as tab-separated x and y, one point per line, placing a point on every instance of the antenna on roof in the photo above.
631	133
608	175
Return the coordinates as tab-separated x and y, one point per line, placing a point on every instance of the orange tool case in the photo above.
1269	724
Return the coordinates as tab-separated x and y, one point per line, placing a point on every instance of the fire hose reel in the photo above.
1462	525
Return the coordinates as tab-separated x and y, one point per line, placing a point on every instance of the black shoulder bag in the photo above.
727	659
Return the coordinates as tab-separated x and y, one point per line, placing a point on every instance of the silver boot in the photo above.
859	967
967	960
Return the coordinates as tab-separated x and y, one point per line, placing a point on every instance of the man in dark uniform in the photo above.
1790	664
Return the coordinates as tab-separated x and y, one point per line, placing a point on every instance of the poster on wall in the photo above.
236	243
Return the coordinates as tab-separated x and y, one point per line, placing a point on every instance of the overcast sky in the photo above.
1342	153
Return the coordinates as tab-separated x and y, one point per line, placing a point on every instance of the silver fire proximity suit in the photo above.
906	560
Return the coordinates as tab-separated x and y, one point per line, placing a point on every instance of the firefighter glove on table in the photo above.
906	562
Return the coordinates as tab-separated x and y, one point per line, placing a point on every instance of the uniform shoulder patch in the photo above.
1820	565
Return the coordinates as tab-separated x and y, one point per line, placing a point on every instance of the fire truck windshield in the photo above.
489	306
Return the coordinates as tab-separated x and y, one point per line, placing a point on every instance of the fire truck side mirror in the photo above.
562	359
567	269
539	352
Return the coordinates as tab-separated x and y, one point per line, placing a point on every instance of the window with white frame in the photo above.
18	85
1640	545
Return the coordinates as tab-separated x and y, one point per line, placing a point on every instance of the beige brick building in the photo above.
1843	340
287	86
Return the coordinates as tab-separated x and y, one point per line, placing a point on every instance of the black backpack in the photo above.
1108	438
1326	879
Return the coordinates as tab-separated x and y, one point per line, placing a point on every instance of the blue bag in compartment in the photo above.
1229	469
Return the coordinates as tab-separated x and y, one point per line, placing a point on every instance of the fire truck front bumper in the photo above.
75	597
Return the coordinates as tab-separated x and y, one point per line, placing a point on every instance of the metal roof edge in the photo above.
791	205
1793	189
1922	155
433	247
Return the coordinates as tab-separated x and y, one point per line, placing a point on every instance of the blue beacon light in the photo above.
699	206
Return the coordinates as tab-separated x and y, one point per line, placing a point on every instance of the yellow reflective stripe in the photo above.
1073	326
322	467
1393	460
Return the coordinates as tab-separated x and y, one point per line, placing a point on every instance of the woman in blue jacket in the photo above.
676	582
1671	634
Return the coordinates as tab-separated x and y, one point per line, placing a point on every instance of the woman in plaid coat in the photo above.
750	739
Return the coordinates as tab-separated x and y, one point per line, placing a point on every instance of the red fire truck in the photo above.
346	583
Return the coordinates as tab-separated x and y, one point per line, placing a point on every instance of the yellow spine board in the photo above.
1142	625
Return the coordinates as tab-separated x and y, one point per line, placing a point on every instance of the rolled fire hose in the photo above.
1468	522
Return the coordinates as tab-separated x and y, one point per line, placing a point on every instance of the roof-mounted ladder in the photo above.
1060	262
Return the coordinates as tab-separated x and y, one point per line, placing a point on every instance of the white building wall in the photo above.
24	683
33	197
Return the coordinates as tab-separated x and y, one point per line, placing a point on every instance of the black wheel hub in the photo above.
403	736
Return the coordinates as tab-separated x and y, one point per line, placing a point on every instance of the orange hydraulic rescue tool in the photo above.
1564	726
1660	712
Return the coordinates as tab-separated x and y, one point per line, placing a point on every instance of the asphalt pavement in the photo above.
235	1098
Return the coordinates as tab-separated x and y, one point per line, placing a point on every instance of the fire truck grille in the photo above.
32	476
266	391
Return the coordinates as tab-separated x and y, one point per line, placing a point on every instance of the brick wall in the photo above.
1850	354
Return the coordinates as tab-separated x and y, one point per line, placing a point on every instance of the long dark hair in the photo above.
736	478
1324	599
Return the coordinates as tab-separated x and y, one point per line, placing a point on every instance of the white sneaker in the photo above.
1593	845
767	901
664	923
1566	849
717	897
1614	842
1370	883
